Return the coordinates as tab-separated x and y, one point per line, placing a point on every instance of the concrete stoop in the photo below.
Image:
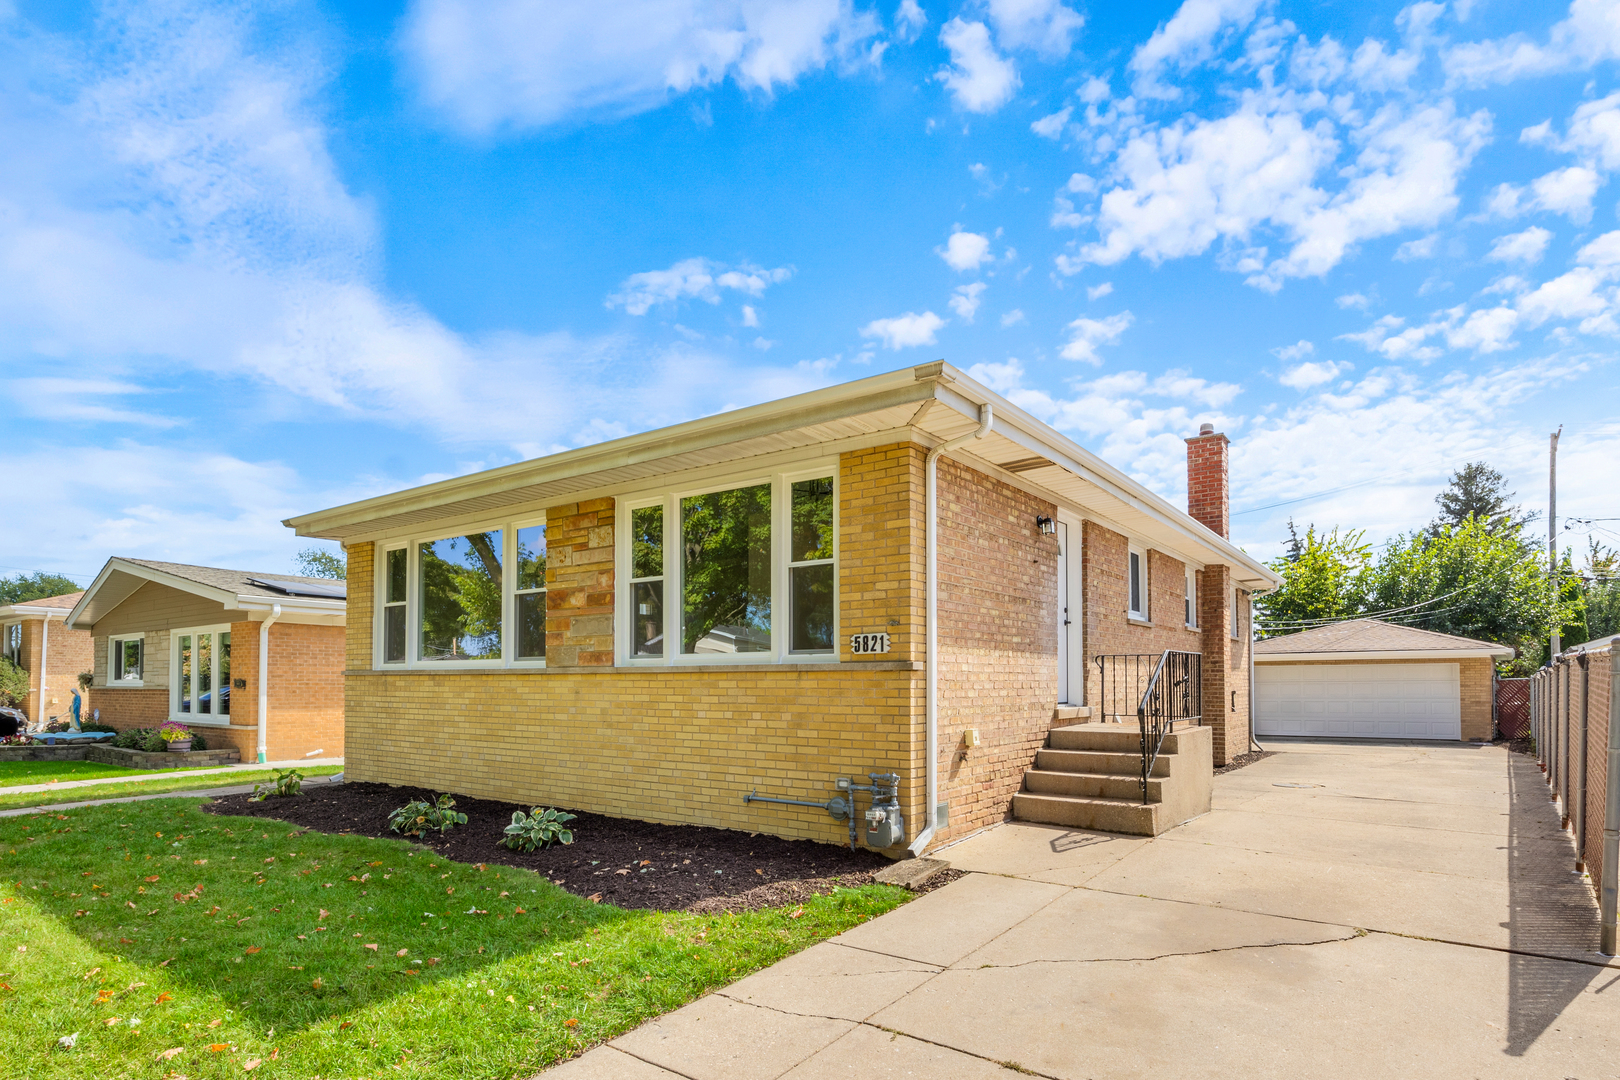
1089	777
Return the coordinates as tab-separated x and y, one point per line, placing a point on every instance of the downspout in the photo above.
1254	743
931	628
264	681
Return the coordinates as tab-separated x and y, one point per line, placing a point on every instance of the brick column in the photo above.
1208	484
579	584
1229	729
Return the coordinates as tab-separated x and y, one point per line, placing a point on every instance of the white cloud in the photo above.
1065	216
965	300
488	64
691	279
1413	250
1043	26
1295	351
1352	300
1525	247
904	331
980	78
1590	34
1311	373
1186	40
1086	335
1097	292
1602	252
1050	127
909	20
1563	191
965	251
1012	318
750	317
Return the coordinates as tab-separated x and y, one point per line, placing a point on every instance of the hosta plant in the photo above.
416	818
538	829
288	782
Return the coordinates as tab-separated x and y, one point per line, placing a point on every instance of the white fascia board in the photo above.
1017	426
262	606
818	406
1439	656
18	611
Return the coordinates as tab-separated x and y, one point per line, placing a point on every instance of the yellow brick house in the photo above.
906	574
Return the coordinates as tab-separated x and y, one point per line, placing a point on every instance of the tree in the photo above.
1477	490
1600	588
1321	580
318	562
35	586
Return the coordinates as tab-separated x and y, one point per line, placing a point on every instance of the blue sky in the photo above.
258	260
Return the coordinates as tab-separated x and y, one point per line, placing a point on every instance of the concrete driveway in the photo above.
1347	910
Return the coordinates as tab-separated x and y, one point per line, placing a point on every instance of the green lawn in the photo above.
172	780
179	943
13	773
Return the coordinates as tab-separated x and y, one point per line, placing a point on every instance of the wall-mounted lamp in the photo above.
1046	525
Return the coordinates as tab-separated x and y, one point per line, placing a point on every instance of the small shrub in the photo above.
13	683
53	727
155	744
198	742
93	726
16	740
538	829
288	782
416	818
133	739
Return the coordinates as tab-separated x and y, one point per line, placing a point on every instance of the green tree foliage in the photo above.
35	586
1600	591
318	562
461	597
1322	578
1478	491
13	684
726	542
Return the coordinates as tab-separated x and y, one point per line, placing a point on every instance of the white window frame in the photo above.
193	719
1192	598
6	632
780	652
114	661
1145	614
412	545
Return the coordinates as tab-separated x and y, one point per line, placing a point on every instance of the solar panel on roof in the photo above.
337	590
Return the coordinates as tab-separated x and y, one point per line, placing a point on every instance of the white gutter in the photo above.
931	629
264	681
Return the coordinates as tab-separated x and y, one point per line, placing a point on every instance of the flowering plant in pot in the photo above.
178	736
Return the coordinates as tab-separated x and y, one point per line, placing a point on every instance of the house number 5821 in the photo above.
868	643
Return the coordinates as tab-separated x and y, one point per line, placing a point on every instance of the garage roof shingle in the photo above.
1370	636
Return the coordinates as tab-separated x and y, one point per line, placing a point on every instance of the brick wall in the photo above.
125	707
1208	483
997	641
67	652
1475	683
1104	585
881	560
305	692
579	584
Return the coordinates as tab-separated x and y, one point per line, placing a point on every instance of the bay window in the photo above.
200	674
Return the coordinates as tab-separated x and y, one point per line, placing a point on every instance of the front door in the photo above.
1064	622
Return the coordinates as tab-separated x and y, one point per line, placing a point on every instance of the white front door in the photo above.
1358	701
1071	679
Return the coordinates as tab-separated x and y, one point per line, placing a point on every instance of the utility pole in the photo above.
1552	535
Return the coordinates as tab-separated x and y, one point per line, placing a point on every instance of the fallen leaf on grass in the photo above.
161	998
346	1024
154	877
251	949
167	962
570	1022
219	1048
250	1064
168	1055
372	947
324	913
798	911
402	952
432	960
595	898
215	1023
316	983
111	1020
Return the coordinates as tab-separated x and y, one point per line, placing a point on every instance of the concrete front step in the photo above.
1098	761
1079	812
1116	738
1093	785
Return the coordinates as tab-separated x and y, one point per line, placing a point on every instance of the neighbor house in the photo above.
253	661
34	636
669	624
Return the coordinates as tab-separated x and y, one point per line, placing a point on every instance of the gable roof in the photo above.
40	608
929	404
235	590
1372	639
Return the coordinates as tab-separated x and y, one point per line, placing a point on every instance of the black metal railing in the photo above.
1160	690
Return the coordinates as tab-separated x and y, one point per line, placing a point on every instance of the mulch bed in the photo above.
1244	759
633	864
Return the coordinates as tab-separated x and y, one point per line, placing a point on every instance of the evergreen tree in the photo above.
1478	491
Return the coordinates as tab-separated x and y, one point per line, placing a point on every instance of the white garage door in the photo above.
1358	701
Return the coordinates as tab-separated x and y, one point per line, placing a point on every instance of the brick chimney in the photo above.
1208	490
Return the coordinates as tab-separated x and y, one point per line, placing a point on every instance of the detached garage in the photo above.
1366	679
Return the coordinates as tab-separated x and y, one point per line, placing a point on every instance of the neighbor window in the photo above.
394	592
1192	598
200	673
11	642
460	597
647	581
529	593
726	572
1136	584
124	658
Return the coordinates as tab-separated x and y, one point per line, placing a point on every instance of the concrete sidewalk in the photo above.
1371	910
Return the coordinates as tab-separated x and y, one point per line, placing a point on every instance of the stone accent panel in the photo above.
998	591
881	560
579	584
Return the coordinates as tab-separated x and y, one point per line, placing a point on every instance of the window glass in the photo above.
396	576
185	673
204	665
647	542
461	597
530	589
726	543
222	658
127	660
394	607
1192	599
810	571
1136	583
13	643
647	625
647	581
